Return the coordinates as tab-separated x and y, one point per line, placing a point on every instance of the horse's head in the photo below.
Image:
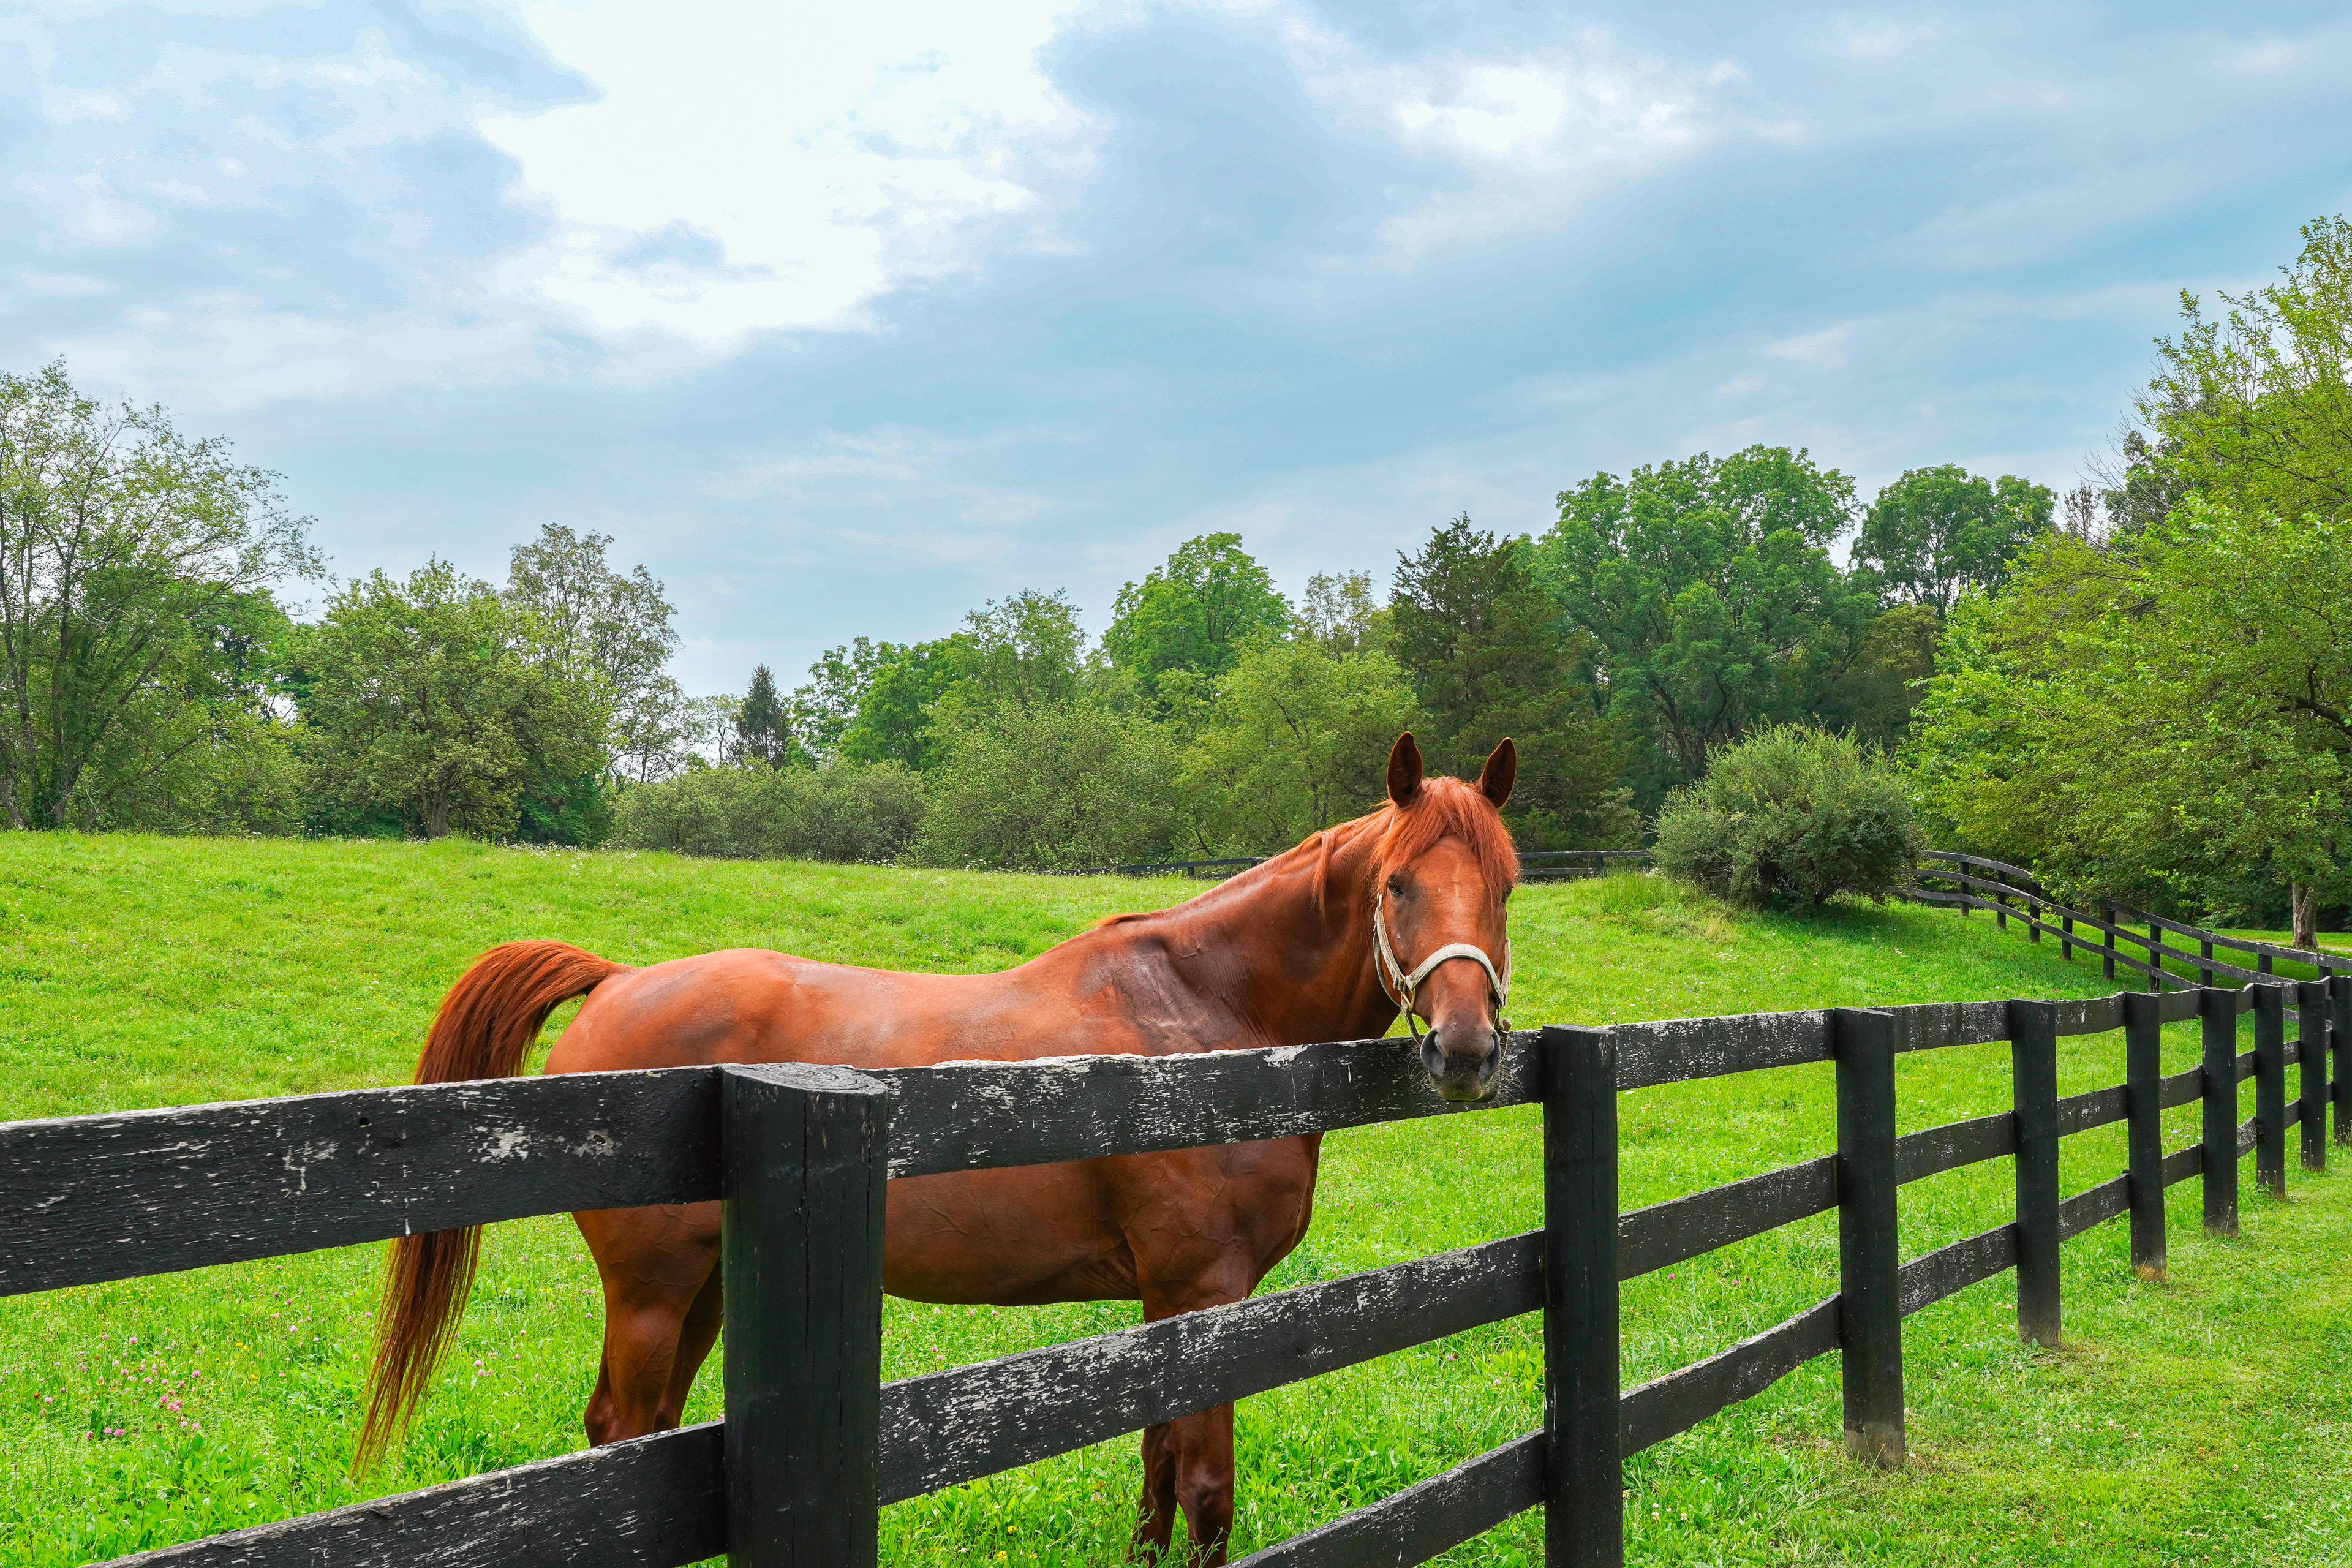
1445	872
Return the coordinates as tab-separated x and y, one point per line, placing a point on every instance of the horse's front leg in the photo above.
1188	1463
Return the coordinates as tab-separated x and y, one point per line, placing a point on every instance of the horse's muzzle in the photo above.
1463	1072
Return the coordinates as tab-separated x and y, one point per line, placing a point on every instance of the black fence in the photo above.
1971	883
815	1444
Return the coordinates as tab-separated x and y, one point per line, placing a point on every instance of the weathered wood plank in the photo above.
1932	1150
651	1502
2093	1205
90	1198
973	1115
1948	1269
2182	1165
2180	1087
2092	1108
1673	1050
1933	1025
1665	1234
1679	1401
1425	1518
973	1421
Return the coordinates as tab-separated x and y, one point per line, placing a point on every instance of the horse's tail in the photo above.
486	1025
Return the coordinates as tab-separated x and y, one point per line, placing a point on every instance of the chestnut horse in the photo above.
1286	954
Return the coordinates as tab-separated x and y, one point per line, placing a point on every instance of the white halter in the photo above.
1401	985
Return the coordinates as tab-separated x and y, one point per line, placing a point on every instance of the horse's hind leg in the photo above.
658	1265
1188	1465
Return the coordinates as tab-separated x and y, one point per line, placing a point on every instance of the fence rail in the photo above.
104	1197
2013	892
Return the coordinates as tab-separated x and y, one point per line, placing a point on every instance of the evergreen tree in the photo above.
1479	641
764	731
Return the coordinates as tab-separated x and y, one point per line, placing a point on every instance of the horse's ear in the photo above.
1502	770
1404	770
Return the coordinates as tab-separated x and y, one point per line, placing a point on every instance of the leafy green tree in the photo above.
1343	612
1193	613
1873	690
2255	406
1937	531
893	722
610	628
1480	643
2169	712
1707	590
823	710
1036	786
1024	650
133	565
1297	738
763	729
430	697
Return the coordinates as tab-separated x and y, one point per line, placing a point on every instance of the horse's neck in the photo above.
1296	969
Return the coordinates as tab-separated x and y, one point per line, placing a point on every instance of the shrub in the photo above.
1792	816
1052	785
840	811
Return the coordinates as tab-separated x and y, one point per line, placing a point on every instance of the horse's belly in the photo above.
1005	1237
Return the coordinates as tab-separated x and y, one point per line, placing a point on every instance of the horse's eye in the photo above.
1396	882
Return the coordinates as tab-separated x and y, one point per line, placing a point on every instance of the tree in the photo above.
430	697
1031	786
764	730
1707	588
893	719
1342	614
599	624
1873	690
826	707
2169	714
2257	406
1297	739
1193	613
1935	531
1481	644
132	561
1024	650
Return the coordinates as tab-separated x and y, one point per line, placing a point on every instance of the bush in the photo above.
841	811
1790	816
1053	786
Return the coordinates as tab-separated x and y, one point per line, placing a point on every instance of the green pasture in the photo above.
2207	1420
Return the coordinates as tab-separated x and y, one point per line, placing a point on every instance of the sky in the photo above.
844	320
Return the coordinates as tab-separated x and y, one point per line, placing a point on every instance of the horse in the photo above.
1314	945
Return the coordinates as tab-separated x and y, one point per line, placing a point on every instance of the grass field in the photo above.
2209	1420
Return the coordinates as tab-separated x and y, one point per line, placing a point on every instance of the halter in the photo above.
1400	984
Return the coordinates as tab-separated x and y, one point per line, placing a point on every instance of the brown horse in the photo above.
1289	952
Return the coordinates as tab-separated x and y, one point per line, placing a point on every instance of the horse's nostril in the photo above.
1433	1054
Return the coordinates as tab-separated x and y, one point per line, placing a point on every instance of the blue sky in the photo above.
844	324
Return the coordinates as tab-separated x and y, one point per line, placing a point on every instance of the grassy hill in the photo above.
2185	1424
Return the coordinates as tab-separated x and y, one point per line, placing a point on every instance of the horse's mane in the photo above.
1442	805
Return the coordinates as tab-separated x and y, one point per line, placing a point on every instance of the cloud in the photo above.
826	163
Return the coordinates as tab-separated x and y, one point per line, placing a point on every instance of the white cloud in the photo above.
830	152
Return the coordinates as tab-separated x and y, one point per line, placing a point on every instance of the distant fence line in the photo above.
815	1445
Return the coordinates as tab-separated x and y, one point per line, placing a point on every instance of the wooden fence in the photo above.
1972	882
815	1444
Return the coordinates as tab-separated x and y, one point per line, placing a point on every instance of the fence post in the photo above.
2217	1013
1584	1501
2033	1081
2107	946
2000	900
2311	1051
2143	1087
2204	971
800	1263
1870	1304
2155	959
2339	1035
2067	941
2270	1088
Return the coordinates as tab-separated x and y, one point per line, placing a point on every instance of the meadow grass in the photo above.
2205	1420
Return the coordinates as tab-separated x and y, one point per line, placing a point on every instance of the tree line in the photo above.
2141	687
